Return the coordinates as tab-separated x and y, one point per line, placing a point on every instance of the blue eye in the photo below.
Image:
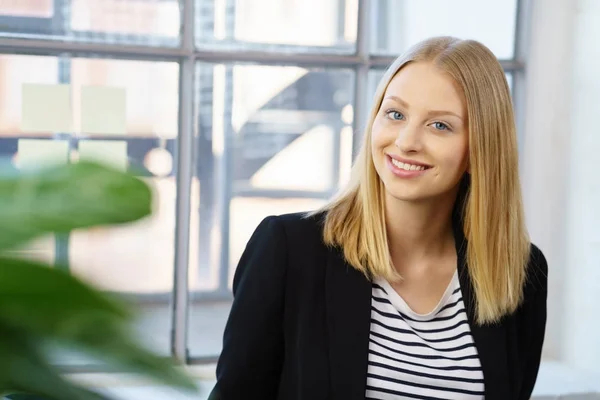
440	126
395	115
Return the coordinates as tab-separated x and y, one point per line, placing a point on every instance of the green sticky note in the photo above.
36	154
46	108
112	153
103	110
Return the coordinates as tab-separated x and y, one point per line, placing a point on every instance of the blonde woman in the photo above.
419	281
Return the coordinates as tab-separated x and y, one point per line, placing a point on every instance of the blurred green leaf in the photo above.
51	304
68	197
23	369
49	301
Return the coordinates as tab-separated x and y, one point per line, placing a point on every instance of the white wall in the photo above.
545	147
581	346
561	160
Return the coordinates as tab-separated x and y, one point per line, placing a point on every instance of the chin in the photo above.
401	194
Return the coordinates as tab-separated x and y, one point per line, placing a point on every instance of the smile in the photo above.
406	170
408	167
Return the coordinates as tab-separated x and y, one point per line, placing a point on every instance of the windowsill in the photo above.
555	381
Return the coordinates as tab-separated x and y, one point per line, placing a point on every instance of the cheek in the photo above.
375	137
379	137
459	157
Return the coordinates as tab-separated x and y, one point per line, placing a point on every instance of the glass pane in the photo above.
402	23
309	25
375	75
27	8
135	259
16	70
119	112
269	142
143	22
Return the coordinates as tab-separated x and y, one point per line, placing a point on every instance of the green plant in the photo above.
41	303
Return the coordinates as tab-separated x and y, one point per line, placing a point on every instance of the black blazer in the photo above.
300	320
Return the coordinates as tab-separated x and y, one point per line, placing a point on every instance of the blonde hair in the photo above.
490	203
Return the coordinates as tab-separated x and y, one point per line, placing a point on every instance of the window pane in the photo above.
151	91
309	25
134	260
375	76
402	23
269	142
15	70
143	22
27	8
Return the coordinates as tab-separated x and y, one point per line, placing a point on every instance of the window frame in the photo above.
188	55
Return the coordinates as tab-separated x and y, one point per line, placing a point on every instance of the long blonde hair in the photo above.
490	207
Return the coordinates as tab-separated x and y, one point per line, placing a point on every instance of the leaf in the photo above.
49	304
47	301
23	369
68	197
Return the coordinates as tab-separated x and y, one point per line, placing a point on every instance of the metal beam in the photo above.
179	327
361	79
283	56
204	360
519	76
89	49
247	190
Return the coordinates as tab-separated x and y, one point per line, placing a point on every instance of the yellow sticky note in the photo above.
36	154
103	110
46	108
112	153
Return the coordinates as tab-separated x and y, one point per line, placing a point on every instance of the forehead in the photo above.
425	86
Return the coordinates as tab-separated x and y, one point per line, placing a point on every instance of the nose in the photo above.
409	139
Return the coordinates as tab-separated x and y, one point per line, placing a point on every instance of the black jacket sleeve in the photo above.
534	320
249	366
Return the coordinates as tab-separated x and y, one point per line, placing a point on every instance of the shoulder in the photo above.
537	272
296	227
281	245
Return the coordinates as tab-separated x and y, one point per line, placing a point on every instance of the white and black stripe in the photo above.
416	356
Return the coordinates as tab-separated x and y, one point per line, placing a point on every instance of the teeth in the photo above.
407	167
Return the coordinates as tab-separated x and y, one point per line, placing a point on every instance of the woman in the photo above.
419	280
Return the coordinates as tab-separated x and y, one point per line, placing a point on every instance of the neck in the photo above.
418	230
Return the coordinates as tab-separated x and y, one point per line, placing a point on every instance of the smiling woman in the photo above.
419	279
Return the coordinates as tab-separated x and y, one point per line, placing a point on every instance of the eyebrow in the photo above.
432	112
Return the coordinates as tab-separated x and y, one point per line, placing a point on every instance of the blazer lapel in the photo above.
348	305
490	340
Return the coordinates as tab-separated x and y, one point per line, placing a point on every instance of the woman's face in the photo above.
419	137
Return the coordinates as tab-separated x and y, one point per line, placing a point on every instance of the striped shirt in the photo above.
421	356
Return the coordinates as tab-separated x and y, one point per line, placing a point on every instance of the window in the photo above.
272	25
220	130
27	8
143	22
135	259
402	23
